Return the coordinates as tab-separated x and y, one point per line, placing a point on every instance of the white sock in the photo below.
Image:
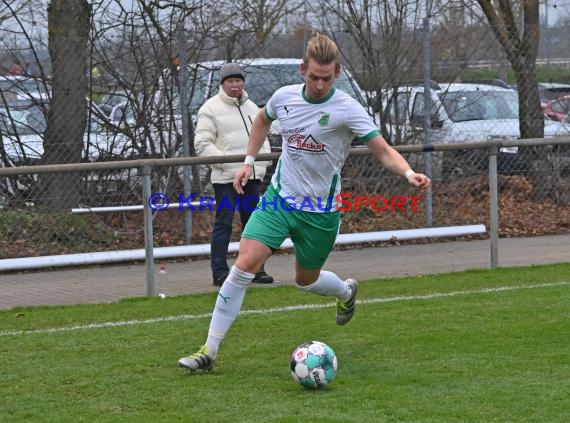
228	305
329	284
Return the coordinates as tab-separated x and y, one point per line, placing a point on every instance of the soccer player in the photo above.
318	124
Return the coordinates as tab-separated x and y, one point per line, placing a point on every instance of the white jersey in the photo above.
316	138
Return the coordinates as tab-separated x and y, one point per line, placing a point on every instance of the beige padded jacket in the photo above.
223	128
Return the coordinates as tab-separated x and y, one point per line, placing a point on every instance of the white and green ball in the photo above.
313	364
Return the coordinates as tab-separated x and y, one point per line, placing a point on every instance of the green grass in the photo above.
471	354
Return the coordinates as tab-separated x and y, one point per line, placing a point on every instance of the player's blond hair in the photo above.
322	50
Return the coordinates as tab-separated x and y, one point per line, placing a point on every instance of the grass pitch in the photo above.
476	346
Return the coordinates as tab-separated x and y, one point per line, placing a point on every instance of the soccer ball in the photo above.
313	364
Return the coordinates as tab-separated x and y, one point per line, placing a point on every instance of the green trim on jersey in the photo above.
308	100
331	192
369	136
267	115
278	178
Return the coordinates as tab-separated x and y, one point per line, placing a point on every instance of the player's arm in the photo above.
393	161
259	131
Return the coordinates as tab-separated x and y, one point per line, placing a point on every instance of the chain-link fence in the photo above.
125	83
126	87
109	215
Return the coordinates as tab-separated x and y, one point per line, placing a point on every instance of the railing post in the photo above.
184	109
148	231
494	204
427	110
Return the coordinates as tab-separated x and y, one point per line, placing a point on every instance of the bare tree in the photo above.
459	36
263	16
521	48
18	21
68	26
9	9
378	41
137	47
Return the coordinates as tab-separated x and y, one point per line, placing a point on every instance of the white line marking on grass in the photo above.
459	293
278	309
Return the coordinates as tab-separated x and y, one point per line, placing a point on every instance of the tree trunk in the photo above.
524	66
521	52
68	29
531	121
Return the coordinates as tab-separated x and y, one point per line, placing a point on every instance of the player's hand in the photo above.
421	181
241	177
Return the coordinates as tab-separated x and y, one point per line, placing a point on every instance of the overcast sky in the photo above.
554	10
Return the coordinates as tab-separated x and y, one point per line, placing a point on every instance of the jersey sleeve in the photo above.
360	122
270	110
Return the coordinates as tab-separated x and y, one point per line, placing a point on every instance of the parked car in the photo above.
112	98
22	125
461	112
558	109
18	88
549	91
22	130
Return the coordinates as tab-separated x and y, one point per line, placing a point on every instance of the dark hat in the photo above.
231	70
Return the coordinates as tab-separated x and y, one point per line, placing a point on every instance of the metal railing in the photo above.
148	167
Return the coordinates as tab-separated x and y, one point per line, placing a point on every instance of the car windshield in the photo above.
464	106
22	120
548	94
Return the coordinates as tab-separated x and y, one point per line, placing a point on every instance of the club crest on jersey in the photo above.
297	142
324	118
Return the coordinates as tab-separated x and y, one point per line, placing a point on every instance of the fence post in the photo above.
427	110
494	204
184	109
148	232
